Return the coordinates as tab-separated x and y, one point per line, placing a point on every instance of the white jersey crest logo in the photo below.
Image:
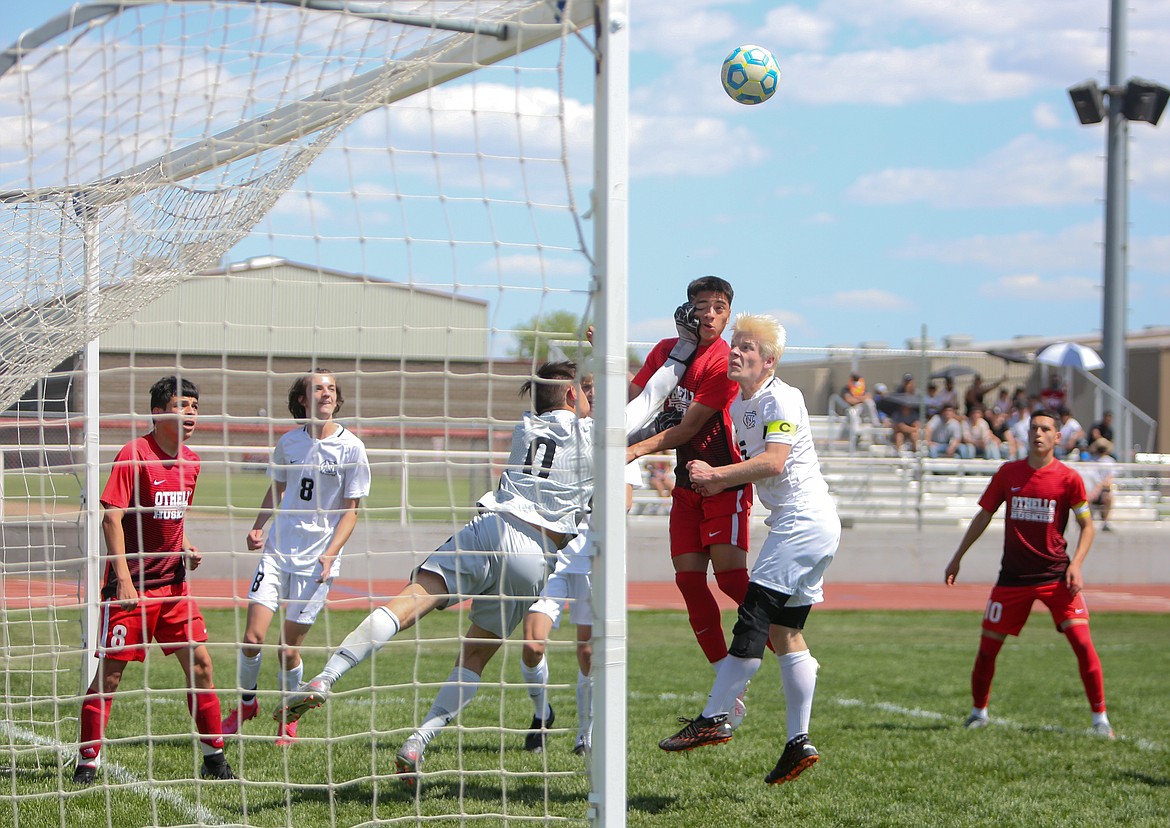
749	419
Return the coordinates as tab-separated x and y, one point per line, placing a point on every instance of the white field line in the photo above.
915	712
194	812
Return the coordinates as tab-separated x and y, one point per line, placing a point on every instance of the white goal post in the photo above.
234	191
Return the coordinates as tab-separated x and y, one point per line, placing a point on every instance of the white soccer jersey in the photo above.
317	476
777	414
549	479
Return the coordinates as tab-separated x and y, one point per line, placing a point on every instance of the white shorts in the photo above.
498	561
566	586
304	597
799	547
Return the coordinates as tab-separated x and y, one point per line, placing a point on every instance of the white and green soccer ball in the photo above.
750	75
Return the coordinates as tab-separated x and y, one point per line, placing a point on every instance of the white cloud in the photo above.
677	146
1026	171
1033	287
822	218
530	265
791	27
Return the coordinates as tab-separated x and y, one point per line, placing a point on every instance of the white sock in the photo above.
1101	718
537	680
798	671
208	750
370	636
458	691
981	712
584	707
291	679
734	674
248	668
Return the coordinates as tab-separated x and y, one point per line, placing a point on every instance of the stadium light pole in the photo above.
1135	100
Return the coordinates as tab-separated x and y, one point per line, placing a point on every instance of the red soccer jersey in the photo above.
154	489
1039	501
705	382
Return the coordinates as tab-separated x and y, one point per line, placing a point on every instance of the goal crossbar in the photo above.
343	101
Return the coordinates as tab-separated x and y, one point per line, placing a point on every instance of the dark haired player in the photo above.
706	532
144	592
319	475
1040	491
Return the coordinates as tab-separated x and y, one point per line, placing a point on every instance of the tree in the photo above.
532	337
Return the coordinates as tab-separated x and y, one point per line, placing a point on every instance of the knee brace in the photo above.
750	634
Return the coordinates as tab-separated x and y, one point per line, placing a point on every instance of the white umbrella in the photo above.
1071	355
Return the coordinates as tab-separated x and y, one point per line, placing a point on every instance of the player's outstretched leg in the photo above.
799	755
699	732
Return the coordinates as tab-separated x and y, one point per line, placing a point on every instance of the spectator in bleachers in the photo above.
1098	475
1019	397
944	435
1054	397
1003	403
904	427
948	395
978	391
1019	429
977	434
1072	435
908	386
879	391
857	396
933	403
1102	430
1008	449
661	479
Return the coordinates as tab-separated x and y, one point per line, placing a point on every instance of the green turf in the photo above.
893	690
448	498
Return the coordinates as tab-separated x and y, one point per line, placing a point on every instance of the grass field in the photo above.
431	498
893	690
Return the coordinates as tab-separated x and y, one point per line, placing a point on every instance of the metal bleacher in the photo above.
871	484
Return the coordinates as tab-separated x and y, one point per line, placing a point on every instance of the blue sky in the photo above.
920	163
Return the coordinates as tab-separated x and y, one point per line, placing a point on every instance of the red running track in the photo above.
353	594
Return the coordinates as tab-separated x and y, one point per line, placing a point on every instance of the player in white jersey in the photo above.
775	439
319	473
571	579
499	559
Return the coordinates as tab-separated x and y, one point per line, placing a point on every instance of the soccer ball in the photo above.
750	75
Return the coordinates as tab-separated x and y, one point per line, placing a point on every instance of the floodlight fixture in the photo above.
1144	100
1088	101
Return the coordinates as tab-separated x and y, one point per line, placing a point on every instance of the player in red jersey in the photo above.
1040	492
707	531
144	592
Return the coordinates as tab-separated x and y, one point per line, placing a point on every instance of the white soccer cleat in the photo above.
408	762
1102	730
308	696
975	721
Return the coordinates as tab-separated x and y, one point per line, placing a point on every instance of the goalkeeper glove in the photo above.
686	321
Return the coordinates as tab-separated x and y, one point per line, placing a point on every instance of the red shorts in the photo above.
1009	606
165	614
697	522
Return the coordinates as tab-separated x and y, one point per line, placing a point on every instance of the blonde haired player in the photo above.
319	475
775	440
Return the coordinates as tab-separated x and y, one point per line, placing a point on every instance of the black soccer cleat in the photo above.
216	767
537	731
798	756
699	733
84	775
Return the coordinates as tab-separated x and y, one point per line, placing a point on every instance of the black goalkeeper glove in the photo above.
664	420
686	321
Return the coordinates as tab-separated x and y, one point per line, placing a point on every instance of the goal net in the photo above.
235	191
